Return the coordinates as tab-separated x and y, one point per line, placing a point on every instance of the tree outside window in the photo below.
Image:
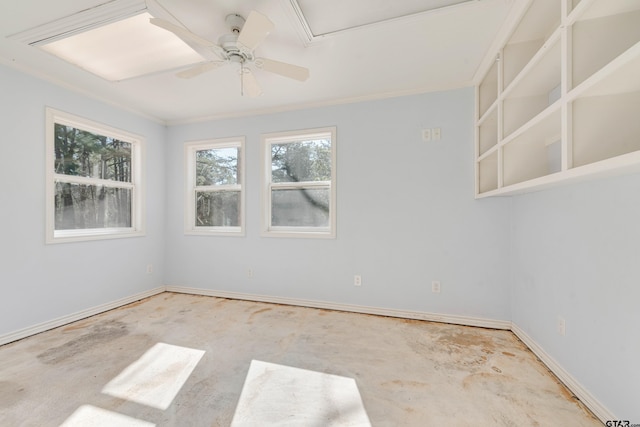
299	187
214	187
94	180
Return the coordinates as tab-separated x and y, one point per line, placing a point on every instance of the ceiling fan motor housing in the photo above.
235	22
229	42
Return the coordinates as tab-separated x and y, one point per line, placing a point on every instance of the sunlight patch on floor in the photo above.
285	396
156	377
88	415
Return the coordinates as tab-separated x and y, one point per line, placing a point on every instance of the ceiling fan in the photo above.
236	47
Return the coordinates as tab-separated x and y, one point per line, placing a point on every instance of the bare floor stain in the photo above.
408	372
460	339
257	312
96	335
11	393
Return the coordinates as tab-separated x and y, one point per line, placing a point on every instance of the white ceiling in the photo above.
437	50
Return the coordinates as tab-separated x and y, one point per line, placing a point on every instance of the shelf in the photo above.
619	76
605	126
488	134
488	173
574	4
593	9
539	21
488	153
568	101
487	113
488	90
597	42
533	91
540	74
534	153
516	56
629	163
534	123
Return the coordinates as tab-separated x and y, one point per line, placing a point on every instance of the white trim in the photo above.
390	312
84	20
267	139
595	406
190	149
306	35
60	321
137	184
319	104
591	402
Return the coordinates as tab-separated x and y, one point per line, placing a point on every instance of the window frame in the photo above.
190	149
267	140
136	186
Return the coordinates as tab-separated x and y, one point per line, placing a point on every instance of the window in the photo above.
299	191
214	180
94	180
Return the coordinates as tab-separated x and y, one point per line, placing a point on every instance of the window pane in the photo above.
300	208
91	206
82	153
301	161
218	209
217	166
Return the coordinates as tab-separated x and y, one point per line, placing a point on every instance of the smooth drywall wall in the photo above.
406	214
576	255
41	282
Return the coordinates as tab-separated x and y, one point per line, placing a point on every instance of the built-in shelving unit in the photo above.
561	101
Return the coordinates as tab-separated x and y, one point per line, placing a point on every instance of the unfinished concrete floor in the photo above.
184	360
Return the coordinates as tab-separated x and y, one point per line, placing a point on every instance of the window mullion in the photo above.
83	180
300	185
214	188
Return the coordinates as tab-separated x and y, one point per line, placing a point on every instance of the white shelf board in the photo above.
488	153
487	113
540	123
620	165
619	76
530	27
592	9
545	66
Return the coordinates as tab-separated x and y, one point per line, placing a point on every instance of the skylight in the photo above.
332	16
124	49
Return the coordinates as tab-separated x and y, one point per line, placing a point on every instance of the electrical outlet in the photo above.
562	326
426	135
149	268
357	280
249	273
435	287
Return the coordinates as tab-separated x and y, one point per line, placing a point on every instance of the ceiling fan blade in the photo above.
199	69
250	85
189	37
282	68
254	31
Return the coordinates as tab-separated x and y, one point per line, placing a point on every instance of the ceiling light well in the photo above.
330	17
114	41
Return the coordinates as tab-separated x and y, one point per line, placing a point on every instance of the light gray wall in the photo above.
572	251
406	214
576	254
41	282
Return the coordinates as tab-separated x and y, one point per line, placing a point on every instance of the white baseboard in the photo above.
60	321
598	409
405	314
